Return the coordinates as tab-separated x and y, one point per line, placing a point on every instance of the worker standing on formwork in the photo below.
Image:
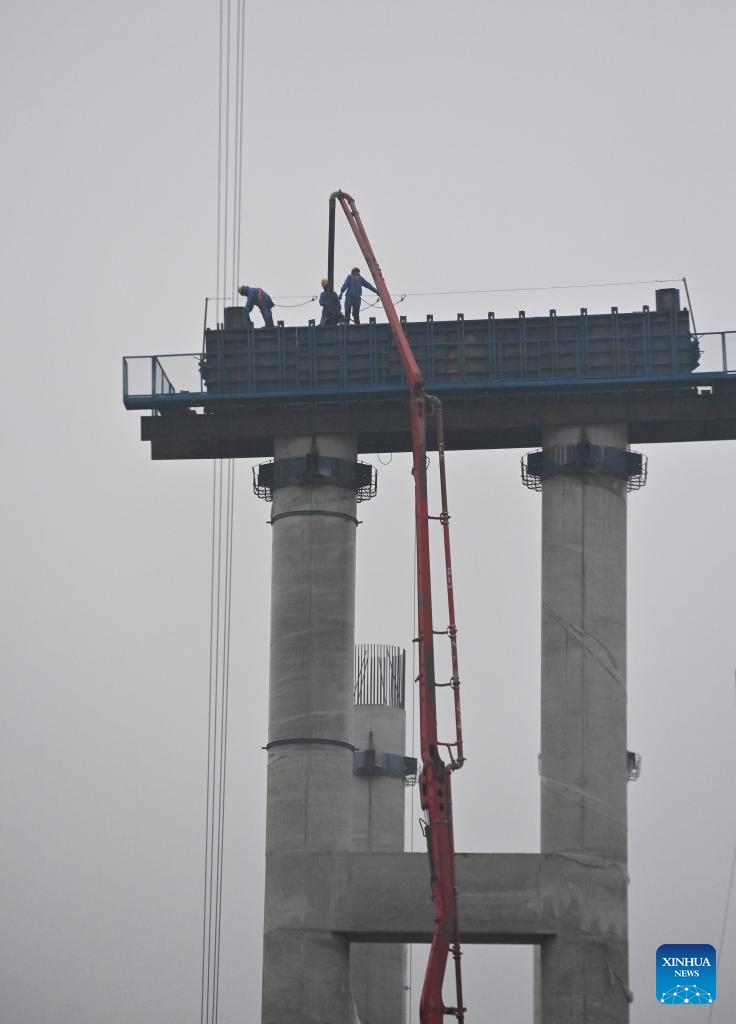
257	297
330	303
354	285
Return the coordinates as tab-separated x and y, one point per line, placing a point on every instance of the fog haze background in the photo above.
489	146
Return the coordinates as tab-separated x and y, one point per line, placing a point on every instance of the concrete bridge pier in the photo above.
582	973
378	971
310	758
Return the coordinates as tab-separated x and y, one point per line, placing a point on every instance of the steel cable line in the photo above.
524	288
295	305
204	997
215	713
221	592
239	142
403	296
227	605
228	237
726	911
548	287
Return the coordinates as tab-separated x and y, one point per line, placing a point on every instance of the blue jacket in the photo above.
257	297
354	285
330	304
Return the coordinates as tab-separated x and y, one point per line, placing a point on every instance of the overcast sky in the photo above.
490	146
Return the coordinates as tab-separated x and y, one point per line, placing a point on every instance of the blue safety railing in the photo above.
149	377
337	363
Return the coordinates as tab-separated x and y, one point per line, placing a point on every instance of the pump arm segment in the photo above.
434	780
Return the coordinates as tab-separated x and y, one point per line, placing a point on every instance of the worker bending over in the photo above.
330	303
354	285
257	297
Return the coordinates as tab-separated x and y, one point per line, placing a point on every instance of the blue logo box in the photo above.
686	974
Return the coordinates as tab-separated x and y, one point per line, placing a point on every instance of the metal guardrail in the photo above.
151	376
379	675
723	346
313	362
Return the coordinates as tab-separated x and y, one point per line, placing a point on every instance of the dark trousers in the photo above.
352	306
267	316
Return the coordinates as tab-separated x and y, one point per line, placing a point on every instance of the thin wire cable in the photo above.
213	801
726	909
205	903
719	955
525	288
548	287
207	964
219	167
690	305
295	305
227	298
216	569
229	202
216	802
238	145
227	605
241	165
220	618
226	219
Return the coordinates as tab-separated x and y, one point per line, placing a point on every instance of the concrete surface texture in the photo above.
309	789
378	976
583	975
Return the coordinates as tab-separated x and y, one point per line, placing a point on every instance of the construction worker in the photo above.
354	285
257	297
331	306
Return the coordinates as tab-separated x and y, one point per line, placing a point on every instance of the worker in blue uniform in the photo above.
257	297
331	305
354	285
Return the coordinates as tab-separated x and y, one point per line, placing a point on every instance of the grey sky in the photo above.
489	146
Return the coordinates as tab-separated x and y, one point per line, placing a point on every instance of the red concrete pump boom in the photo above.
434	780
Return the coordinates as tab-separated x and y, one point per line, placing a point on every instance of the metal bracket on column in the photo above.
583	458
374	762
312	468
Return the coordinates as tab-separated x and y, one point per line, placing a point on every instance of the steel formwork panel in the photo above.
293	361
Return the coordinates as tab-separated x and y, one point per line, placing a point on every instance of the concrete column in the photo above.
582	977
309	788
378	978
